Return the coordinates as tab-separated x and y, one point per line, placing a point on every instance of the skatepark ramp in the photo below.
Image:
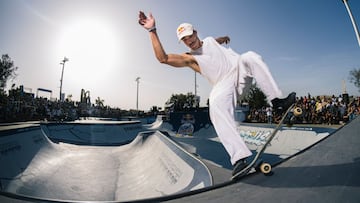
35	169
326	172
97	133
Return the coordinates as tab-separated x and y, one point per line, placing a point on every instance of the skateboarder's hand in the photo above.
225	39
146	22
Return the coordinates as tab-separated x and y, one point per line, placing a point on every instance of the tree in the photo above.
355	77
180	102
256	97
155	109
7	70
99	102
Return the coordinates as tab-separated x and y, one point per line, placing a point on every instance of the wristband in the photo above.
152	29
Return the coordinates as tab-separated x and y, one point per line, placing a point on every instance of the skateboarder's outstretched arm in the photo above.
175	60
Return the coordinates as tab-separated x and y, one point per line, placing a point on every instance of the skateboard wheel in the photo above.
297	111
257	165
265	168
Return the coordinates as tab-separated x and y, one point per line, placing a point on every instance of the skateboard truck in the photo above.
291	116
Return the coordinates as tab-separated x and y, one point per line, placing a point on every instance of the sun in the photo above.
91	46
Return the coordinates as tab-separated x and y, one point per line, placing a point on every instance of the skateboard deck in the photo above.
258	164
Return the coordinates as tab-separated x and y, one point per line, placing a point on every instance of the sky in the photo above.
310	46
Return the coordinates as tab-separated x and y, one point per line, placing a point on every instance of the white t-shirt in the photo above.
216	62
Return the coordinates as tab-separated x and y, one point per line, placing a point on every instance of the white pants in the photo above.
223	99
251	66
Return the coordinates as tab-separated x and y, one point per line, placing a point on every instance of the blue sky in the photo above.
309	45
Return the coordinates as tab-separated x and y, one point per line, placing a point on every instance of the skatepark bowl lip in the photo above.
22	197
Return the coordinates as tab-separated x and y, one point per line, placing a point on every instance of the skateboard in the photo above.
259	165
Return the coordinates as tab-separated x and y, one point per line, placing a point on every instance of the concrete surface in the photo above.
90	132
327	172
150	166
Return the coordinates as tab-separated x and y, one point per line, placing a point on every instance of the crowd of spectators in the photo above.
20	106
316	110
39	109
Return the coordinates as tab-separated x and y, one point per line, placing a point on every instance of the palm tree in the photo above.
99	102
355	77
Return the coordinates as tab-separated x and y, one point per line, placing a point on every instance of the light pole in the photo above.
137	94
196	98
352	20
195	85
62	74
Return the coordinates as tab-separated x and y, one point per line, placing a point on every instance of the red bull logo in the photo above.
181	29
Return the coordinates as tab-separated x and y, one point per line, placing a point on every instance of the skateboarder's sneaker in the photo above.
239	166
281	105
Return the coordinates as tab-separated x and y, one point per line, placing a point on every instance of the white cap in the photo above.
184	29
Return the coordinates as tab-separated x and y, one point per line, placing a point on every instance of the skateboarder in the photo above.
230	75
